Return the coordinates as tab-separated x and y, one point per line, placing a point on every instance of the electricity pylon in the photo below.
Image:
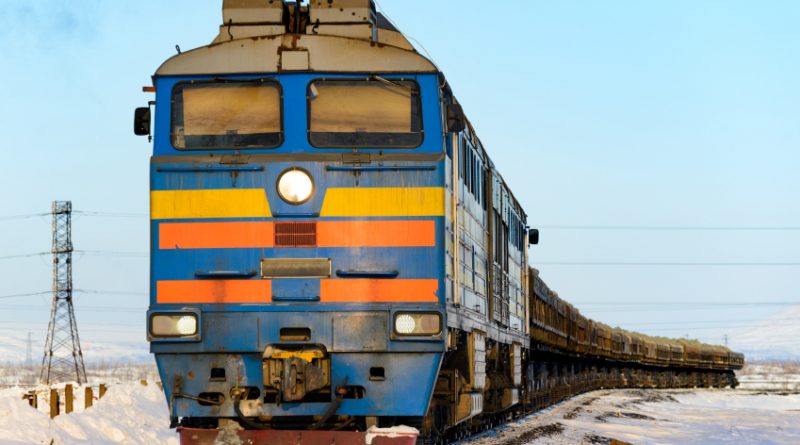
63	359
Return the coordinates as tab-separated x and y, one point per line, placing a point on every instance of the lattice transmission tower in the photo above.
63	359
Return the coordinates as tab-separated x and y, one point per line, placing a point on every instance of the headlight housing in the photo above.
427	324
295	186
173	325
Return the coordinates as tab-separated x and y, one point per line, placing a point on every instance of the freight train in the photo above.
334	254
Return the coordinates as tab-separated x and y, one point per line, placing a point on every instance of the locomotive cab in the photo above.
297	221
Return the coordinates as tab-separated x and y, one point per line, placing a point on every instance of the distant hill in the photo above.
776	338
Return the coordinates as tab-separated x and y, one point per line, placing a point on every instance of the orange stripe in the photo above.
378	291
214	291
215	235
376	234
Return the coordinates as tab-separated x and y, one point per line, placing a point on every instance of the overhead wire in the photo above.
23	255
666	263
29	294
670	228
109	214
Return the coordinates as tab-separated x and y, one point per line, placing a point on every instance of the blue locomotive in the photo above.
331	247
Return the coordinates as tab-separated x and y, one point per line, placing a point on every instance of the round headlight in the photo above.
404	324
186	325
295	186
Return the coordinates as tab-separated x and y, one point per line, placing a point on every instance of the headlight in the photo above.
295	186
173	325
417	323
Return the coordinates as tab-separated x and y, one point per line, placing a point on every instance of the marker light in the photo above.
418	323
295	186
173	325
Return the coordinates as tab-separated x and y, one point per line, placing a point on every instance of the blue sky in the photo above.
598	113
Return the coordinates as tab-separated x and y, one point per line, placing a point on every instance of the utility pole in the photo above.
63	359
29	352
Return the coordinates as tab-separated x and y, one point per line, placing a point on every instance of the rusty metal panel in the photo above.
355	31
295	267
374	436
342	11
360	331
325	53
251	11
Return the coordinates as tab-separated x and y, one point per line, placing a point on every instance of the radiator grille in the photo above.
295	234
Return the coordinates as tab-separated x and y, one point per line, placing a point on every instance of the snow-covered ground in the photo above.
651	417
96	372
780	376
130	413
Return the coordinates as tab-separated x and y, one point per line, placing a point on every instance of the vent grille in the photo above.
295	234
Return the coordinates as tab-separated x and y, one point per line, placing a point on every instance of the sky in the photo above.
607	119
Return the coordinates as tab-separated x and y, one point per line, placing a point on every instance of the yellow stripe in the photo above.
384	201
216	203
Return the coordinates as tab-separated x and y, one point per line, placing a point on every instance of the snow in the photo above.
396	431
772	376
129	413
652	417
132	413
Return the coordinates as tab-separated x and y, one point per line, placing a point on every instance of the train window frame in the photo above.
416	101
271	81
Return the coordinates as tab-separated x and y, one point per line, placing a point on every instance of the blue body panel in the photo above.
234	336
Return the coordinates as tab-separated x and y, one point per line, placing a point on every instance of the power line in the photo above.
687	303
665	263
28	216
82	308
113	253
672	228
688	324
31	294
111	292
110	214
23	255
108	253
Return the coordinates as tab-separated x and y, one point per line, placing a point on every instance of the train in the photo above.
336	258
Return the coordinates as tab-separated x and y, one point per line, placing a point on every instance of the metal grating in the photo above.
295	234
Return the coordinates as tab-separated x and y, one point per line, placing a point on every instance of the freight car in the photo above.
334	252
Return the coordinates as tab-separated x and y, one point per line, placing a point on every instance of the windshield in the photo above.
364	113
232	115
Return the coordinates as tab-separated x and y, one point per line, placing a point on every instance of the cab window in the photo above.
374	112
226	115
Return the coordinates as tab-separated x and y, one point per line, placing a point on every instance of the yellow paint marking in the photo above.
384	201
304	354
211	203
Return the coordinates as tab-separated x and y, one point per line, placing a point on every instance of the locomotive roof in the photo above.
255	38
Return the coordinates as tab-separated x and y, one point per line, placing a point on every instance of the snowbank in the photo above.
649	417
129	413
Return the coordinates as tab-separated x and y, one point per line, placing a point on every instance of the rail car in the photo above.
333	252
